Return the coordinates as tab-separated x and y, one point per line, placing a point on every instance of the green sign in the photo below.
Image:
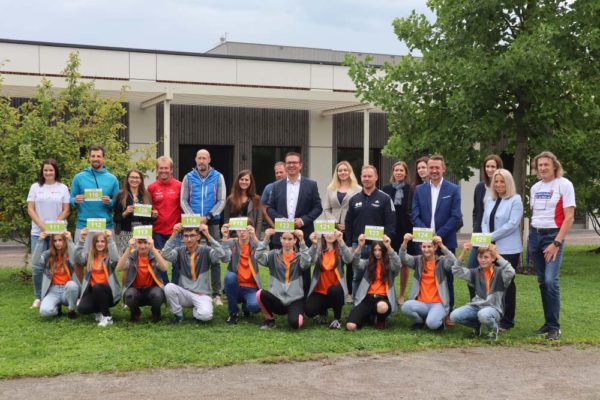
190	220
481	239
92	194
96	224
422	235
238	224
52	227
284	225
374	232
142	210
325	226
142	232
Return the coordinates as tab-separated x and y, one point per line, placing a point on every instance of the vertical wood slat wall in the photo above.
233	126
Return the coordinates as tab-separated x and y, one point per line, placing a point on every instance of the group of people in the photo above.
348	268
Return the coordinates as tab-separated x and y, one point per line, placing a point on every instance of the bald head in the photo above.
202	161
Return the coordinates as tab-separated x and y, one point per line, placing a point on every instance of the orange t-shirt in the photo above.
428	290
487	274
98	274
245	275
62	274
286	261
378	287
328	277
143	278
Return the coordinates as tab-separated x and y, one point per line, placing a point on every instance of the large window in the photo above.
263	159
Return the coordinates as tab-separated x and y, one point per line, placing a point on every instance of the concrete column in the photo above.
320	149
366	135
167	128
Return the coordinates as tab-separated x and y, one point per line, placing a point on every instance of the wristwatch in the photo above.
557	243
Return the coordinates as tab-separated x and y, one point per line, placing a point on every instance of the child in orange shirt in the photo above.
328	287
376	295
429	296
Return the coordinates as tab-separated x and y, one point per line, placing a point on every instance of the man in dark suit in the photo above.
297	198
441	199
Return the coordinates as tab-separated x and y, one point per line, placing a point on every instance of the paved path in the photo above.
487	372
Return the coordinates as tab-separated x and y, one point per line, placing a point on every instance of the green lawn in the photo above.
30	346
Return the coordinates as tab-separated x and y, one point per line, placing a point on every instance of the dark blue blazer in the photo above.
447	211
308	208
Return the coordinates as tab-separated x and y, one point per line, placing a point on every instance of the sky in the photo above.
197	25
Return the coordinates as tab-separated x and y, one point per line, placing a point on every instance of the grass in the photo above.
31	346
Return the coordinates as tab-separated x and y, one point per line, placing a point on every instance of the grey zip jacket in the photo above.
347	257
501	277
204	257
41	258
363	289
109	262
442	264
286	288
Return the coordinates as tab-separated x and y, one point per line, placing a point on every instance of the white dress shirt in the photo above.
292	193
435	193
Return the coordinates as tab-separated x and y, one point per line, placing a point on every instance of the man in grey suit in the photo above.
297	198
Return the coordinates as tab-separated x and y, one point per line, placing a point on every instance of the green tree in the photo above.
520	72
59	124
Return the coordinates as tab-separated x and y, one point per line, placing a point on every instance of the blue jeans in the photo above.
159	242
239	294
37	271
471	316
57	296
358	275
547	274
432	314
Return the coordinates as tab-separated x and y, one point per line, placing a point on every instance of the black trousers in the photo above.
367	308
510	297
96	299
153	296
293	310
318	303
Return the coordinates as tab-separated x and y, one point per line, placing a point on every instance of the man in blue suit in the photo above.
440	199
297	198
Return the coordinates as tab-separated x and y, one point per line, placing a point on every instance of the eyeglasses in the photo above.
189	236
137	178
292	162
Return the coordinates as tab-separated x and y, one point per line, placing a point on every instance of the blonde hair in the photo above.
92	253
164	158
558	169
403	164
335	180
509	182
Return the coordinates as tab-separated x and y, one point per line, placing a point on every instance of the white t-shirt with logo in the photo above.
48	200
548	201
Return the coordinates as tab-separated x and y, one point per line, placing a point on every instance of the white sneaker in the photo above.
36	303
217	300
98	317
105	321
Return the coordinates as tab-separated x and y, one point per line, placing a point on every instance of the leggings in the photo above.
270	304
96	299
318	303
367	308
152	296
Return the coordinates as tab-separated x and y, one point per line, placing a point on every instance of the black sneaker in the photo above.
417	326
232	319
543	330
477	331
323	320
177	319
553	334
268	324
72	314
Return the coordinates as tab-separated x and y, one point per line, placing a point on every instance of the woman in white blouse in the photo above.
48	200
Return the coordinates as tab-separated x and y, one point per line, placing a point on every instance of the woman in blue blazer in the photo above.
502	217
